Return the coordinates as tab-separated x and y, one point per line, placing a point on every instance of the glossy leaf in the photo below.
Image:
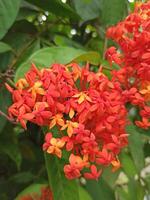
99	190
8	13
12	151
110	177
83	194
64	41
136	147
4	47
47	56
88	9
128	165
32	47
135	190
112	11
109	12
25	12
122	194
62	188
56	7
10	147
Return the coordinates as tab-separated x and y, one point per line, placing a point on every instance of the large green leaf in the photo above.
128	165
109	12
56	7
4	47
110	177
26	12
64	41
88	9
136	147
135	190
32	47
122	194
22	45
11	149
47	56
8	13
100	190
83	194
9	145
112	11
62	188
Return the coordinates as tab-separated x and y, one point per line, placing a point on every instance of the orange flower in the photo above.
70	126
71	113
37	89
146	91
145	123
57	119
22	83
39	105
116	165
82	97
55	148
78	162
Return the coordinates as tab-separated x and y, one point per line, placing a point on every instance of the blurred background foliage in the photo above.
48	31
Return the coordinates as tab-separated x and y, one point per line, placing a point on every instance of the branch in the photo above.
7	117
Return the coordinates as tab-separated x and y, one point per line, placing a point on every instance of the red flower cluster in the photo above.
133	38
84	111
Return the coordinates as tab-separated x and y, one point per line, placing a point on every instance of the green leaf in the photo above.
136	147
83	194
8	13
4	47
32	47
112	11
24	13
19	42
109	12
12	150
4	102
143	131
135	190
110	177
47	56
9	144
62	188
147	180
31	190
88	9
64	41
100	190
123	195
56	7
24	26
22	177
128	165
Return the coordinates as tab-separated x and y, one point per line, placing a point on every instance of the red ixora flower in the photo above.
132	36
84	112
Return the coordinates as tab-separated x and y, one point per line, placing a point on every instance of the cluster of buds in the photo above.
133	56
84	113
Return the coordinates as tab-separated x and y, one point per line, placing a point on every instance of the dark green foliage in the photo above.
44	32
